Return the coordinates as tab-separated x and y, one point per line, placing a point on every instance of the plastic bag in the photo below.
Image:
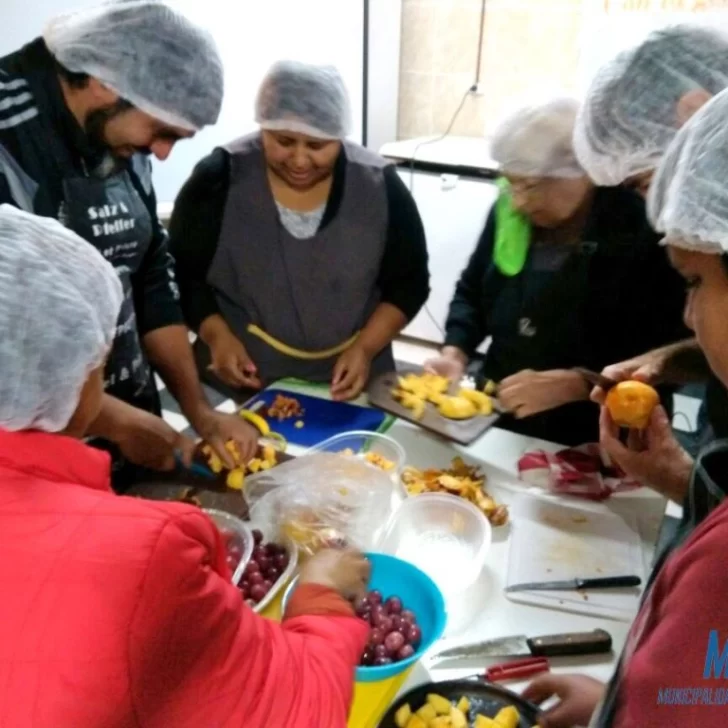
585	471
323	500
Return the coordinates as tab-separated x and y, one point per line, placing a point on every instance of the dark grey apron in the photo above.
312	294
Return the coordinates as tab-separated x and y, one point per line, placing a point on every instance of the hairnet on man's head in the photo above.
149	54
299	97
536	140
59	305
688	199
630	113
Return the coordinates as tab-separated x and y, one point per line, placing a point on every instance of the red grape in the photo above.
376	637
394	642
396	622
257	592
414	635
406	652
380	651
393	605
257	537
381	661
264	562
377	616
374	597
258	554
367	658
273	574
255	578
267	585
361	607
244	585
281	561
251	568
386	625
408	616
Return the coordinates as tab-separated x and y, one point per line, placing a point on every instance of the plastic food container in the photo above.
367	445
234	531
286	576
444	535
394	577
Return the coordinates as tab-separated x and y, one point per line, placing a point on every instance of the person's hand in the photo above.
231	363
648	368
346	571
217	428
528	393
351	373
578	699
147	440
653	456
451	363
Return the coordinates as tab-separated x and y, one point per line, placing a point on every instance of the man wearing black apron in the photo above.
77	124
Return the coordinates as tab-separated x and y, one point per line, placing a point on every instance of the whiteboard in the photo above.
251	35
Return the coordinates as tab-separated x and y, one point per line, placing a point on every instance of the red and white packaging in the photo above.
585	471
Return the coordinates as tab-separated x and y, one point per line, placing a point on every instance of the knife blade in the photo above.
556	645
598	380
607	582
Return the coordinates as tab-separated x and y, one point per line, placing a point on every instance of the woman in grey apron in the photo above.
298	254
565	275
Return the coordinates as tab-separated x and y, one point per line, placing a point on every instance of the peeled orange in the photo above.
631	403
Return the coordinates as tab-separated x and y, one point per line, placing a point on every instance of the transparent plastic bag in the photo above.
322	500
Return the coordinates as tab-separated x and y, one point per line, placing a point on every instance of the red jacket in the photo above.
665	656
118	612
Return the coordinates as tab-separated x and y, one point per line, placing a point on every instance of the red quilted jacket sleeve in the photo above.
200	657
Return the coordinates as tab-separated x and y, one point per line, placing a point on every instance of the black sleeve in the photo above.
404	277
194	232
465	326
156	296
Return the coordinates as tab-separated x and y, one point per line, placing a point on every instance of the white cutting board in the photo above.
552	541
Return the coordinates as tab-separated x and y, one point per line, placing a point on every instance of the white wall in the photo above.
251	34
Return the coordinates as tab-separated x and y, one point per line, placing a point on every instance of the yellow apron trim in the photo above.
299	353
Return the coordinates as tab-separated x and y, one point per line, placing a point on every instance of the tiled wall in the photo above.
527	45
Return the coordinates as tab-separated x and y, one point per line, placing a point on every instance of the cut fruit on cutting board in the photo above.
463	432
552	541
321	420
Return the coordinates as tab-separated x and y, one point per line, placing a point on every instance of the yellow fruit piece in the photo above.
458	719
441	705
254	465
442	721
482	401
402	716
266	465
257	421
490	387
457	408
235	479
416	722
299	425
427	712
463	705
482	721
213	460
269	454
507	717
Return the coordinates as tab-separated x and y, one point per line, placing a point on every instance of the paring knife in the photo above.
607	582
598	380
556	645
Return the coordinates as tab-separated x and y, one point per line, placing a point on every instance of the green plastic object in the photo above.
512	233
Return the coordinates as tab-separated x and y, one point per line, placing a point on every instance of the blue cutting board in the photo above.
323	418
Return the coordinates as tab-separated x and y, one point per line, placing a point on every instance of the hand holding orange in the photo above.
630	404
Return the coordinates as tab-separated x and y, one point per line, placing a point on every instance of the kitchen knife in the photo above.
556	645
607	582
598	380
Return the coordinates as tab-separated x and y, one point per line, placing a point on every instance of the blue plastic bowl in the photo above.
394	577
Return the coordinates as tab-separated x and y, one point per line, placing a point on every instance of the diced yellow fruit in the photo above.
402	716
463	705
482	401
507	718
416	722
441	705
490	387
266	465
482	721
299	425
215	463
458	719
269	453
457	408
235	479
427	713
442	721
254	465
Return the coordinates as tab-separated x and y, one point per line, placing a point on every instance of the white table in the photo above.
487	613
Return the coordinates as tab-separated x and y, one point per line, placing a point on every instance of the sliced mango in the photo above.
441	705
427	712
402	716
508	717
457	408
482	401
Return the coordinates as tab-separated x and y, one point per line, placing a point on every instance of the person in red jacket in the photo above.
674	668
118	612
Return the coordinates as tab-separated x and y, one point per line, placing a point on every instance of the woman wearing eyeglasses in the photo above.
565	274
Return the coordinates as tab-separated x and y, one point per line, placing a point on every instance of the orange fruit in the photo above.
631	403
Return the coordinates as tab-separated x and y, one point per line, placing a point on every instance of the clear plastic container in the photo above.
234	531
444	535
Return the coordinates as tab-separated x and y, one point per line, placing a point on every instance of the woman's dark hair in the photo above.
74	80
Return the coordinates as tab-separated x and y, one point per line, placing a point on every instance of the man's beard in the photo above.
95	128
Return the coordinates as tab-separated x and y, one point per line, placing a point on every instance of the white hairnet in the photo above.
299	97
629	116
536	140
149	54
59	304
688	199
